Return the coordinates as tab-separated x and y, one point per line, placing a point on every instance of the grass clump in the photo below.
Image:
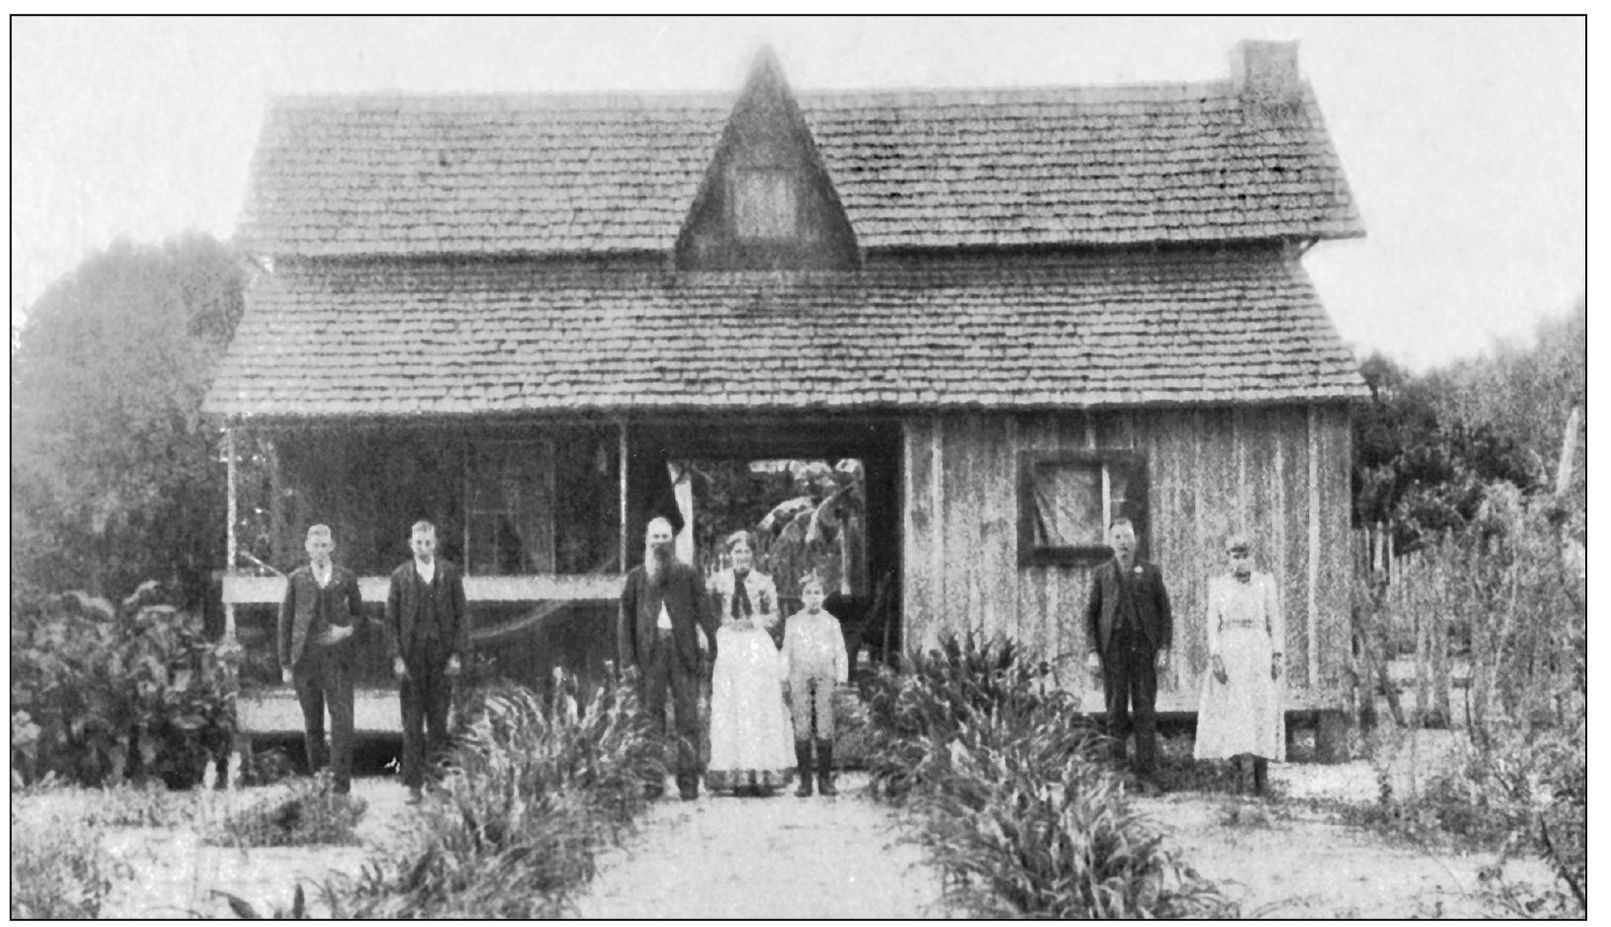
59	870
1014	801
309	813
150	805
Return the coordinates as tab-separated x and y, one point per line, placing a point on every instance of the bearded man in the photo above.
667	630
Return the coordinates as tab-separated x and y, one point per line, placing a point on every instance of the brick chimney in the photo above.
1266	73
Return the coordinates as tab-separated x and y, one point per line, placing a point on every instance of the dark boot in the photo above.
825	768
802	760
1261	776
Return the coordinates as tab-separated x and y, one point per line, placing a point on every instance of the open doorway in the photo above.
816	496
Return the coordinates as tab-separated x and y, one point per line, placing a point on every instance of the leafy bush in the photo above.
100	698
1015	801
310	813
1021	810
58	870
534	790
965	677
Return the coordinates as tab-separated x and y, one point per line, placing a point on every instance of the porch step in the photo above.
274	711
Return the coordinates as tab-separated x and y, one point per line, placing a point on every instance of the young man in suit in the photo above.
428	627
318	640
1129	628
667	629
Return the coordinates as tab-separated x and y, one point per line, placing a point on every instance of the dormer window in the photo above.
765	206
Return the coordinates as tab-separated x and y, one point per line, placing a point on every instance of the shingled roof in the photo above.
449	338
501	174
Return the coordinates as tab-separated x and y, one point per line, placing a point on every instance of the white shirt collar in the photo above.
426	571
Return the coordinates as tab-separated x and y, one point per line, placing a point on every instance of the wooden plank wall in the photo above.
1210	472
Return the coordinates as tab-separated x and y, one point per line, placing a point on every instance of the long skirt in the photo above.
750	739
1242	714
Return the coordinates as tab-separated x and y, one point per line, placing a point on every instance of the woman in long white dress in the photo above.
751	744
1240	711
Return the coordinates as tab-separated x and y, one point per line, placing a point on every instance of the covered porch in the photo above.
545	514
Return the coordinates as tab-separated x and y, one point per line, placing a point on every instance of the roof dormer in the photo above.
766	202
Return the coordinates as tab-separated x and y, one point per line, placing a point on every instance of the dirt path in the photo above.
725	857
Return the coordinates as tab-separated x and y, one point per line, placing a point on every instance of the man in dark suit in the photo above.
318	640
428	628
666	629
1128	630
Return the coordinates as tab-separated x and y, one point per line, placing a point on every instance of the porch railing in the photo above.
580	587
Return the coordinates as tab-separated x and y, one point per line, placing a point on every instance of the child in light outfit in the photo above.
815	661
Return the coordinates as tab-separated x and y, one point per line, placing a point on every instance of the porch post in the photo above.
277	526
231	548
623	496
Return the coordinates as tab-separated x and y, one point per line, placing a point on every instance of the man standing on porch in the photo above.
429	630
1128	629
666	629
319	620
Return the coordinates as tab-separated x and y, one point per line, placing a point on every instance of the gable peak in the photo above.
766	75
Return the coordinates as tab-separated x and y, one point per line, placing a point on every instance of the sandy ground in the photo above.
1292	858
849	857
776	857
172	874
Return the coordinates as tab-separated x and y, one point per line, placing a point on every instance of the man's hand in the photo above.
1275	666
285	676
1162	662
1218	664
335	635
1093	663
399	668
453	665
701	638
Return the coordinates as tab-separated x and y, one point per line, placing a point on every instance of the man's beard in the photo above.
656	560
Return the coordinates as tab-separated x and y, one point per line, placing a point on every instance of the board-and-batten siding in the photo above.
1279	473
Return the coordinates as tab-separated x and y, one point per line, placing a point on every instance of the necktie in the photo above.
741	597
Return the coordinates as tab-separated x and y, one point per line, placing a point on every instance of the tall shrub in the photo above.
114	472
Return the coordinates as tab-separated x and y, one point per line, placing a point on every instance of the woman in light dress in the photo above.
751	743
1240	711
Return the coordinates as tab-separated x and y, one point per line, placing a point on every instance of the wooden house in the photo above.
1025	311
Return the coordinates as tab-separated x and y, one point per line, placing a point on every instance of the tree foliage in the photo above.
1427	449
114	473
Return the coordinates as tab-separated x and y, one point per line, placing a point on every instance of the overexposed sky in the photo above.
1463	138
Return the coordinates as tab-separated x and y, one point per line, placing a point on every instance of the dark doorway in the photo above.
738	464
